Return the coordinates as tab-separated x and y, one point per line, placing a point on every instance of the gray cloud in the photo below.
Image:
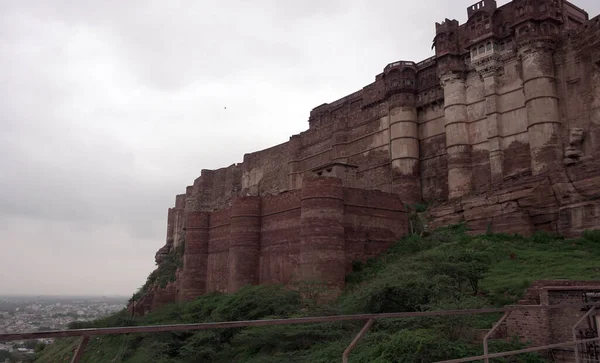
108	109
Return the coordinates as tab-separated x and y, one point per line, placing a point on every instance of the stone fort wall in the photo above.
501	128
310	234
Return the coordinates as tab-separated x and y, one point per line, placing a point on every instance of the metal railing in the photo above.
370	319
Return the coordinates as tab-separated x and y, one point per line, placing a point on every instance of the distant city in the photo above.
19	314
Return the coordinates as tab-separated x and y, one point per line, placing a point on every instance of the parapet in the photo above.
446	26
486	5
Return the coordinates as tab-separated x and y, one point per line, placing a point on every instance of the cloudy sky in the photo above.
108	109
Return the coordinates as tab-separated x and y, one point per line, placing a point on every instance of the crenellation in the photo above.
499	129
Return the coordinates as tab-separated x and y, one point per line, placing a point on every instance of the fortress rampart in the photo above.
500	128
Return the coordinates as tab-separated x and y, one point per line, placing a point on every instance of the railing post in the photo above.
489	334
80	349
358	337
577	357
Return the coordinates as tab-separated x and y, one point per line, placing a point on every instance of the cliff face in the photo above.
500	128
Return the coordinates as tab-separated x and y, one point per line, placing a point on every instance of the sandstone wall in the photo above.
310	234
280	237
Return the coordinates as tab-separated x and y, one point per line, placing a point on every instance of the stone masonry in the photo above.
501	129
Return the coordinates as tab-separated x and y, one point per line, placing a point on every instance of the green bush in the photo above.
592	235
164	273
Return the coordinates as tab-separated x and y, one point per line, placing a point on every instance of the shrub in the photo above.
592	235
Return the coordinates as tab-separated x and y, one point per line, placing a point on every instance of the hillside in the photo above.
447	269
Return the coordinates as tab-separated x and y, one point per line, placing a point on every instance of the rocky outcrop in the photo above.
563	201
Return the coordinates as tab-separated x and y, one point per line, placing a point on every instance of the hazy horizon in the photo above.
110	109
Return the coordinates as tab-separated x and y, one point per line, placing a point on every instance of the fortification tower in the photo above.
244	245
451	69
400	87
322	240
536	30
484	38
195	259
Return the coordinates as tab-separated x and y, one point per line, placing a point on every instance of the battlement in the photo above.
446	26
486	5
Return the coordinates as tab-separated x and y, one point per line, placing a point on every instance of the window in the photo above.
542	7
545	29
489	46
481	49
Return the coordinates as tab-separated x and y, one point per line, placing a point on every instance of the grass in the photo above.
447	269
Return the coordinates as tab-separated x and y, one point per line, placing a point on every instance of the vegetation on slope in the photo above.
447	269
164	273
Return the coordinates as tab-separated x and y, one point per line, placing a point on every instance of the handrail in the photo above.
356	339
87	333
489	334
519	351
574	331
239	324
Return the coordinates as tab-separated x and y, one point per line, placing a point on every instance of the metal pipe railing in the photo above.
519	351
489	334
80	349
87	333
356	339
574	331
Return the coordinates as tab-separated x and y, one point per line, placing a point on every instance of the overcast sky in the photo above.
108	109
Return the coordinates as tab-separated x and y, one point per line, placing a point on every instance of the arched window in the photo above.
481	49
488	46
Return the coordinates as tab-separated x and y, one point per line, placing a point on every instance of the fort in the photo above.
500	129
